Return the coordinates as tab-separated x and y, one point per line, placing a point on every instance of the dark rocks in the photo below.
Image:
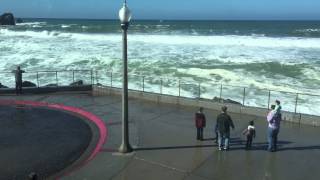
3	86
221	100
77	83
28	84
19	20
7	19
51	85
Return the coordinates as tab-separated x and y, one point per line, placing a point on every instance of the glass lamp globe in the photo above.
124	14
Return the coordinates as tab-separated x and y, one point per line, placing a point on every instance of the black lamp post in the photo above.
125	16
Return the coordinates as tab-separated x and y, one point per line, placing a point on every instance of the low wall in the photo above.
194	102
51	89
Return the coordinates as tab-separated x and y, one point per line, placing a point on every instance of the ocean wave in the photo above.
65	26
219	40
31	23
239	78
308	30
230	40
33	34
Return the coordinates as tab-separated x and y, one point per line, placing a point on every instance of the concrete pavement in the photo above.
165	144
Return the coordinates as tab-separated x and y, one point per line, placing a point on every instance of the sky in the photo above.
167	9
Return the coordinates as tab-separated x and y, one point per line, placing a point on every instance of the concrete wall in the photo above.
234	108
38	90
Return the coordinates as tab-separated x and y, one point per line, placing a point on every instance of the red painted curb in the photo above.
87	115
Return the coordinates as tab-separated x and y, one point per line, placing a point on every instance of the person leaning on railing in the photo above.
18	76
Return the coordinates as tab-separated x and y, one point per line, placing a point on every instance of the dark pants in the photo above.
200	133
217	136
18	88
272	139
249	141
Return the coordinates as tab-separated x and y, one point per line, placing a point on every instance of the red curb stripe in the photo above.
89	116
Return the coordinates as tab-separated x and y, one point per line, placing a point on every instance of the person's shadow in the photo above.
235	144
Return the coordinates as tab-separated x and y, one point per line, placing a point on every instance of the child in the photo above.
250	132
277	110
278	107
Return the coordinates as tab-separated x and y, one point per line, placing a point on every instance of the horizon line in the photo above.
145	19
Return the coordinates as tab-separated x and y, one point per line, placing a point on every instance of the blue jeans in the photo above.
224	138
272	139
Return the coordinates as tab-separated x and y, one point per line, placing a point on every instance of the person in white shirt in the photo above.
250	132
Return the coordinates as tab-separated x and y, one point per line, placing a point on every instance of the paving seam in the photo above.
161	165
124	167
139	132
196	168
158	116
137	158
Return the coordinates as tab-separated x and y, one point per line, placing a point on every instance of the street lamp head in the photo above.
124	14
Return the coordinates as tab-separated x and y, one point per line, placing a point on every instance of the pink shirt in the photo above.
269	118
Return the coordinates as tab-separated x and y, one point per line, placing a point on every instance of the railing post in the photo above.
296	104
57	78
220	99
97	79
91	77
179	87
111	78
38	79
199	90
142	83
244	96
73	76
269	99
161	86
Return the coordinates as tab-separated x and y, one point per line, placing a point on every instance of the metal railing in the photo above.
182	87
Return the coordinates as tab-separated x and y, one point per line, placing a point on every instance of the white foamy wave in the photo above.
238	79
65	26
308	30
31	23
227	40
33	34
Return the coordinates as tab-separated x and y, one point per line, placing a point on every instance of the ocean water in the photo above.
275	55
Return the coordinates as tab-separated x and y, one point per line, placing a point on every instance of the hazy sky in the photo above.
166	9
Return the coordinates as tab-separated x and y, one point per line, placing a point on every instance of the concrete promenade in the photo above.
164	139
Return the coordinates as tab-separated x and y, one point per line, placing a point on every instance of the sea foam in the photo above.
246	61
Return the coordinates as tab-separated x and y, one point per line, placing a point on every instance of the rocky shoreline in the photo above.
7	19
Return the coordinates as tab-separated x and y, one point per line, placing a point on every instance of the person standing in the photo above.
18	76
200	122
224	122
273	118
250	133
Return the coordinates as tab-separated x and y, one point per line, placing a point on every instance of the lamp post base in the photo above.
125	148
